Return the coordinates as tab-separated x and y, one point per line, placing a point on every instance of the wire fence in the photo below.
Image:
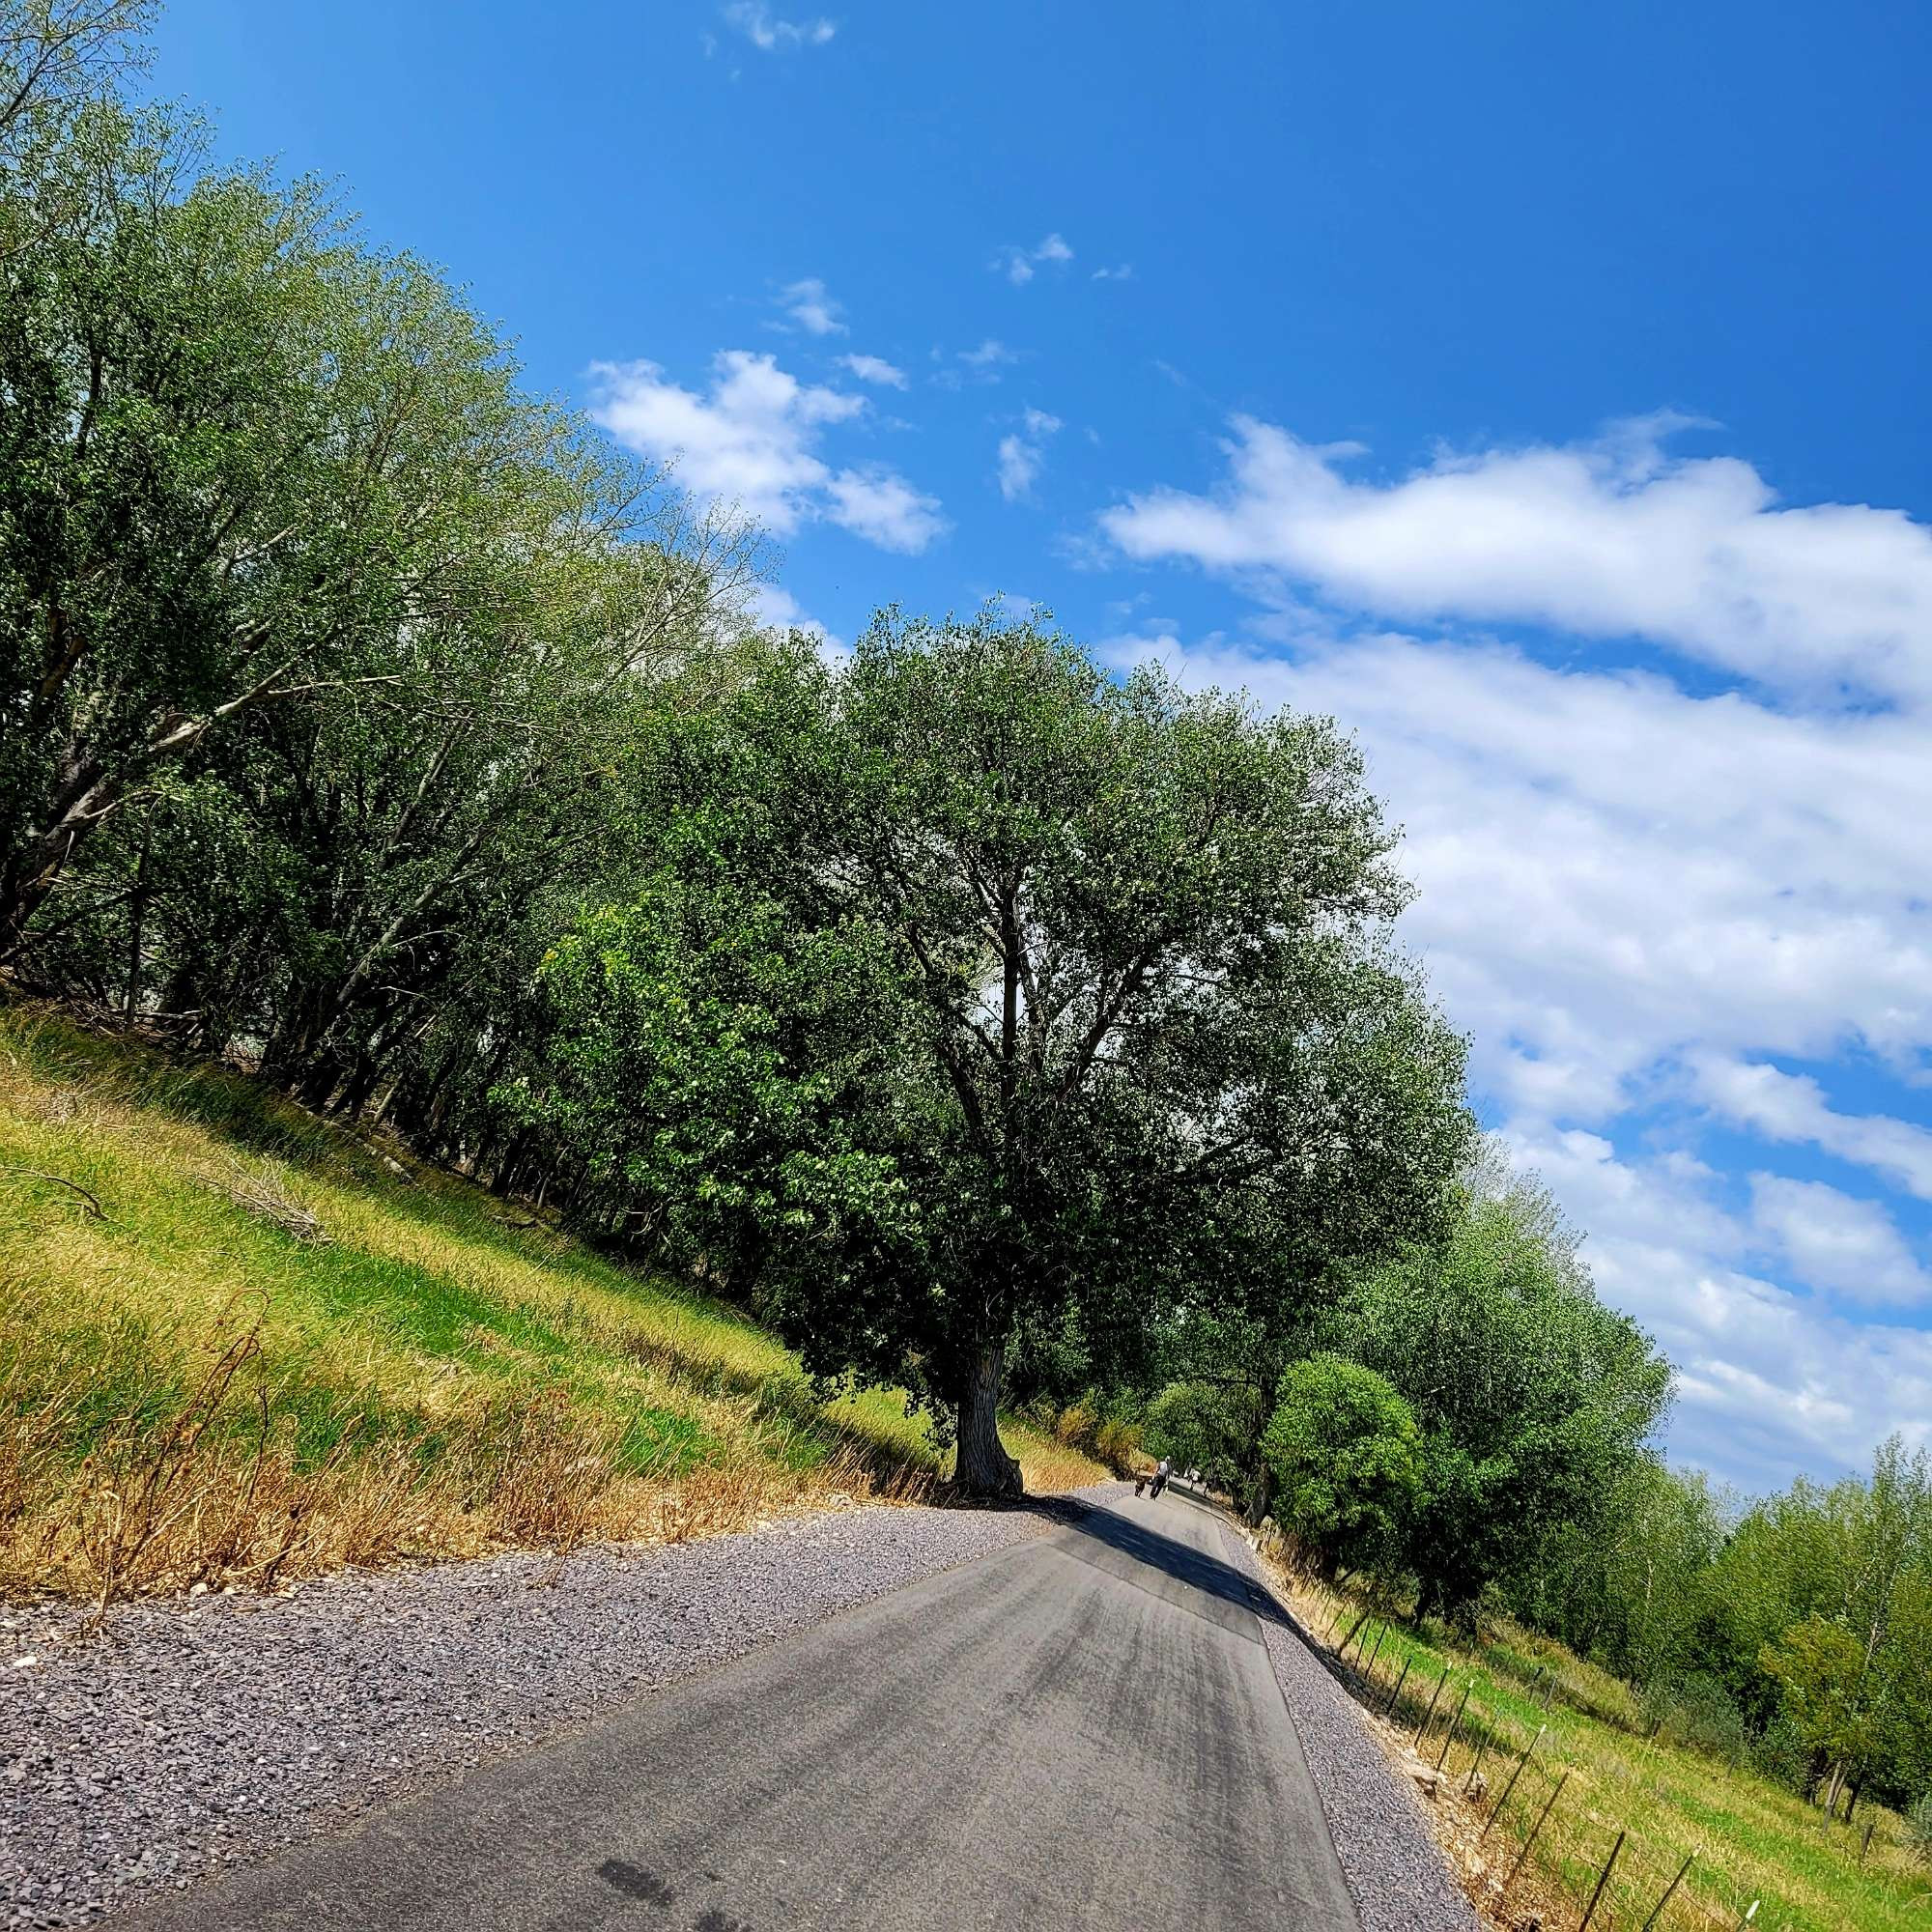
1533	1825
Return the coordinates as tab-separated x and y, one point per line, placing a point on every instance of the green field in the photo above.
240	1344
1755	1841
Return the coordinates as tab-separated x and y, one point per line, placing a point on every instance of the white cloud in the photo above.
1770	1383
1020	464
1791	1107
1609	877
991	354
1123	272
751	439
1021	454
1608	539
875	369
1020	265
764	29
881	506
809	304
1833	1241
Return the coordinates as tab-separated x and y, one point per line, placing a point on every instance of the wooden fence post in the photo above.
1604	1879
1510	1786
1657	1912
1368	1668
1428	1716
1548	1805
1449	1736
1396	1695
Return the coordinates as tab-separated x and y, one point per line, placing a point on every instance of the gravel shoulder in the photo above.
189	1737
1397	1874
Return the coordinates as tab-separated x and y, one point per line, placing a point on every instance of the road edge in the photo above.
1397	1874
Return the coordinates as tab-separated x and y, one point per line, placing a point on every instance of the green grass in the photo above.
388	1324
1754	1839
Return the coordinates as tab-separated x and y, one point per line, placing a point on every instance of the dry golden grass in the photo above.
240	1347
1754	1841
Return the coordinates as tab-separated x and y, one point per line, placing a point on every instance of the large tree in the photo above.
1143	1024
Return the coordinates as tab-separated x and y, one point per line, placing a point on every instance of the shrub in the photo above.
1704	1716
1077	1424
1118	1445
1346	1456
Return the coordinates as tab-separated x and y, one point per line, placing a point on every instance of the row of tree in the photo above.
994	1027
1797	1628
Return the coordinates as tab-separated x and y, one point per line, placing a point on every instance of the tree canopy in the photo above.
1113	964
1346	1460
1533	1397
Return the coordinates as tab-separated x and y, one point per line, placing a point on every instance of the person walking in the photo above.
1160	1476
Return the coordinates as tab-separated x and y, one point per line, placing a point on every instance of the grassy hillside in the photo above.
237	1345
1755	1841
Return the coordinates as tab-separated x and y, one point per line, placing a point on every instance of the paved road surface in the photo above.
1081	1731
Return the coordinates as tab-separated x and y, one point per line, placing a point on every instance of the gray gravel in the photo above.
1396	1871
187	1736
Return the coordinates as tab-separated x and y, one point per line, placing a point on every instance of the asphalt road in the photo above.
1080	1731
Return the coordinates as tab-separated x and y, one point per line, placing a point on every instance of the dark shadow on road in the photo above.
1135	1548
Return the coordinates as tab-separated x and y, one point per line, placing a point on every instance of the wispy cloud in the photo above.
766	30
810	306
1123	272
982	365
1022	453
1019	266
1609	538
1836	1242
875	369
751	439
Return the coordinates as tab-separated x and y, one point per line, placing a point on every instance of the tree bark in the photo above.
983	1466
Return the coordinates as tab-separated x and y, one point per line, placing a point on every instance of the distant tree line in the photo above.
1470	1430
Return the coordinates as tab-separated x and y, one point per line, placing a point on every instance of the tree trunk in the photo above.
984	1468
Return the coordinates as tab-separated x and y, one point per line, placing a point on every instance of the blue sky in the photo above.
1538	389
